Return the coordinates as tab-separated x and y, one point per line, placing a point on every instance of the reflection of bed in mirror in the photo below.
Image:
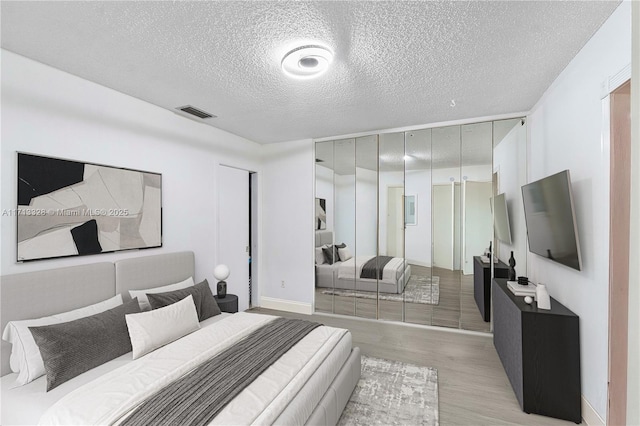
347	275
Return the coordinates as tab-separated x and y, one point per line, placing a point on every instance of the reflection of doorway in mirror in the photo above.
395	221
477	221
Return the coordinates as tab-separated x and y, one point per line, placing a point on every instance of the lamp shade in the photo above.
221	272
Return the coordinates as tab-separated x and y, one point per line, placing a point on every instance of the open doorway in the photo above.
237	232
619	228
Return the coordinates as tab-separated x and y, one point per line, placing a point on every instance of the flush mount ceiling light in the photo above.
307	61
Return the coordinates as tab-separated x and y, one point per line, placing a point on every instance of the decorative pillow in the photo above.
341	245
153	329
206	304
330	255
319	256
71	348
142	294
25	356
344	254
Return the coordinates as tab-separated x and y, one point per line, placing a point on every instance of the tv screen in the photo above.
501	219
550	218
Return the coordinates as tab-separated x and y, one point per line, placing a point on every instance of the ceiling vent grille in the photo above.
195	111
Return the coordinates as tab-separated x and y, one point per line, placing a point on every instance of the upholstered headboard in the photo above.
153	271
44	293
324	237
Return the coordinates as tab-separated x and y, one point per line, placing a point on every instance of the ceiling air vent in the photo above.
195	111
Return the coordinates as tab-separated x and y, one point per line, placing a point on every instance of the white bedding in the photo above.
352	269
103	395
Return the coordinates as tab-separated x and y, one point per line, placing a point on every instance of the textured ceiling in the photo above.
396	63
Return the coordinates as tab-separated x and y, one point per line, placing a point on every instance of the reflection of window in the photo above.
410	210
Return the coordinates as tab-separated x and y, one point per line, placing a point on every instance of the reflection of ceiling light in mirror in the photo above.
307	61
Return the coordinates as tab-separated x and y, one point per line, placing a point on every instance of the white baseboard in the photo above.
589	414
285	305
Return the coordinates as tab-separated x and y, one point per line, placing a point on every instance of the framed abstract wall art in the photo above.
71	208
321	213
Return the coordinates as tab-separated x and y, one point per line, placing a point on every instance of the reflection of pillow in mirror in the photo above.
343	245
319	256
344	254
329	255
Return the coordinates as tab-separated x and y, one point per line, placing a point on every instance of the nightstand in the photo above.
228	303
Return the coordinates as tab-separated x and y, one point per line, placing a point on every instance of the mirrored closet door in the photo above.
401	218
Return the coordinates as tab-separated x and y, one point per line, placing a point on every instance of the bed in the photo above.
347	275
310	384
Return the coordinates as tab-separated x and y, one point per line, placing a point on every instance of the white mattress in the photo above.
26	404
352	269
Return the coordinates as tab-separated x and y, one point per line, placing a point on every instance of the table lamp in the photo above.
221	273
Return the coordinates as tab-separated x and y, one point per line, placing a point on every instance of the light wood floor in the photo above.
473	388
456	308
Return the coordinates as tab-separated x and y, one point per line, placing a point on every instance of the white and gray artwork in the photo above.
321	213
71	208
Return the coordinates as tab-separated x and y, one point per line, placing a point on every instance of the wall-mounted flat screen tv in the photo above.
501	219
551	221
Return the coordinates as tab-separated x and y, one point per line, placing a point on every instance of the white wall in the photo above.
566	133
287	225
510	161
49	112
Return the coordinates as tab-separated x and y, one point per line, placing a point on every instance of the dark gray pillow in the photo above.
206	305
330	254
69	349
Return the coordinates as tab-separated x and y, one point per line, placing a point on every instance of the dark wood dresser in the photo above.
540	351
482	284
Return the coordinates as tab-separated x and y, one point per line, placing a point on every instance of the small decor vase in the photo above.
542	297
512	268
221	289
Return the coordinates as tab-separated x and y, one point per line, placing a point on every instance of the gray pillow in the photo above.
70	348
206	305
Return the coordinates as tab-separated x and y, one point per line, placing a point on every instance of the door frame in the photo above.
619	143
255	227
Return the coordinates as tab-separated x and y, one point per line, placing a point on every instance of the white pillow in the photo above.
143	301
150	330
319	256
344	254
25	356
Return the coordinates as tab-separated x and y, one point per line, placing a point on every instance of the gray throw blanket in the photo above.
373	268
197	397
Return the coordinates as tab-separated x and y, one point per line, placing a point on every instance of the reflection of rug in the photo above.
419	289
393	393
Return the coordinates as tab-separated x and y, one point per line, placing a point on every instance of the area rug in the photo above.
419	289
393	393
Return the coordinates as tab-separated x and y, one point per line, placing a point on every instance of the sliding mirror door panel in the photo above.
420	292
366	222
324	226
477	216
345	231
446	225
392	270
